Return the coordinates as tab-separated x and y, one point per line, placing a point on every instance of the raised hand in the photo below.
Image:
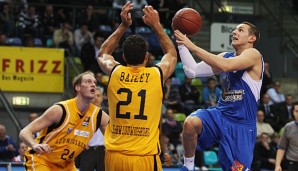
183	39
151	17
126	15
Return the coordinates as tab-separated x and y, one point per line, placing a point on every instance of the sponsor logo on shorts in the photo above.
237	166
81	133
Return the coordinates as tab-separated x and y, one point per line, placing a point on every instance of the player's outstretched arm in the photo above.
105	60
169	60
51	116
247	59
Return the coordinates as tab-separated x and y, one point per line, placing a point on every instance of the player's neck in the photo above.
136	66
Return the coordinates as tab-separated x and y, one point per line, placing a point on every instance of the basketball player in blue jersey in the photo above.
232	123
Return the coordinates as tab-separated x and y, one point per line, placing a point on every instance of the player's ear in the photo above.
146	56
252	38
123	57
78	87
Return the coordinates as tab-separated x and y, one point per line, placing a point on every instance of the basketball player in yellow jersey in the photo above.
135	96
65	129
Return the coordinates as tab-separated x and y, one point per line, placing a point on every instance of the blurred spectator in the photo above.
151	60
22	150
267	79
263	127
265	107
271	117
49	22
189	96
28	23
29	41
264	154
171	156
31	117
275	139
63	37
99	76
8	148
100	83
180	151
284	111
3	39
89	53
288	144
6	20
171	128
172	97
62	16
211	93
82	36
275	93
89	16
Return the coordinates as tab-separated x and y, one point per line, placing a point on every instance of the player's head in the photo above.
253	30
87	77
135	50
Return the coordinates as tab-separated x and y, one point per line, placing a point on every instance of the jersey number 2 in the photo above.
140	115
66	154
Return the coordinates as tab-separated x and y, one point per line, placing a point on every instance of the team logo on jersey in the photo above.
86	121
81	133
68	130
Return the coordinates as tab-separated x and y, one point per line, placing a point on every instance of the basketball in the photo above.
188	21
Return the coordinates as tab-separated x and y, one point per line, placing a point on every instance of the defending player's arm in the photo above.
105	60
51	116
169	60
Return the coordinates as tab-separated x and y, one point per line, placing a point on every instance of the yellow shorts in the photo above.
115	162
33	163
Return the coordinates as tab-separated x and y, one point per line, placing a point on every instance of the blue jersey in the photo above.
240	95
232	123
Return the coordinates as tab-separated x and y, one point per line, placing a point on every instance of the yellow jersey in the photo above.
69	137
135	100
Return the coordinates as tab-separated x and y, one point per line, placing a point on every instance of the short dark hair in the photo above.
253	30
134	49
78	80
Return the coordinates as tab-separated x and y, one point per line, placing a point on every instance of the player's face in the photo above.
88	86
240	35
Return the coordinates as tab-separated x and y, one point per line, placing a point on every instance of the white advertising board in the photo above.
221	34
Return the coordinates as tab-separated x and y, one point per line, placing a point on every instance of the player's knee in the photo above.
192	125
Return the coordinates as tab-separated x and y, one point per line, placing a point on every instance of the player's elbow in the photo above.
22	134
190	73
173	53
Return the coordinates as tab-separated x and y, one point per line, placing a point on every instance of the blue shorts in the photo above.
236	138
